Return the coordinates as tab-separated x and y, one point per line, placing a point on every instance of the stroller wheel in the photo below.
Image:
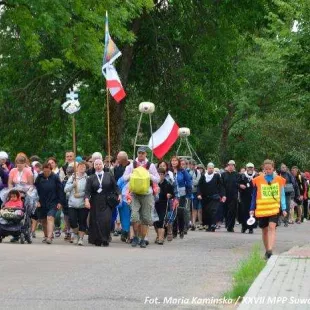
22	239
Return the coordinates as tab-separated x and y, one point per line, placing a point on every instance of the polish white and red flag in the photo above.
163	139
114	83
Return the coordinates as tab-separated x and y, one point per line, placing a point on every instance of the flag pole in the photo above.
108	121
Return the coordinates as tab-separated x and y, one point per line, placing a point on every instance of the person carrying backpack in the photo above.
141	174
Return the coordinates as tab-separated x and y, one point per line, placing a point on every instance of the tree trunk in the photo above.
117	111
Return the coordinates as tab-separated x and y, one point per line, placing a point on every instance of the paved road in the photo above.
64	276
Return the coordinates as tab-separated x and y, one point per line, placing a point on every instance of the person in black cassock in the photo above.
101	196
246	190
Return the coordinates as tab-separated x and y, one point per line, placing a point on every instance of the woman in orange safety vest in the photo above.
267	198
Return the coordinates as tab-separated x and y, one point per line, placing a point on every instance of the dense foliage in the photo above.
234	72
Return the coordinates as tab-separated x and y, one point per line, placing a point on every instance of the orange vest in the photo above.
268	196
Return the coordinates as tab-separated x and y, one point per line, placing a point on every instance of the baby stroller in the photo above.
17	222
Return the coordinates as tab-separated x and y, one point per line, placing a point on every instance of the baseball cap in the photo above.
210	165
250	165
142	149
232	162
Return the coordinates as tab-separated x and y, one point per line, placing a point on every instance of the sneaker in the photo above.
67	237
268	254
115	234
230	230
251	231
57	232
44	240
124	236
81	242
143	244
34	235
74	238
135	242
49	240
182	234
193	228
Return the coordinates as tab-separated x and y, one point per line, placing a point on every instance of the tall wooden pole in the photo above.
74	145
108	121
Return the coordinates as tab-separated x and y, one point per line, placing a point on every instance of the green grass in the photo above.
246	273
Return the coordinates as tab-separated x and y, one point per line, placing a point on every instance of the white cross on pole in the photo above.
72	95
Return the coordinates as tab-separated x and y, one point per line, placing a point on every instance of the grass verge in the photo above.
246	273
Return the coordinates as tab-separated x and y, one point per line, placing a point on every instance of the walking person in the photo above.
5	168
302	187
101	197
195	202
51	199
182	190
69	160
246	189
210	192
53	162
165	193
141	204
21	177
291	191
268	196
306	201
123	209
77	211
230	182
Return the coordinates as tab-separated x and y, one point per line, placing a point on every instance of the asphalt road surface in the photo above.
65	276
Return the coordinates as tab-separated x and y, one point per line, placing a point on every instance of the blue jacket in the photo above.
182	184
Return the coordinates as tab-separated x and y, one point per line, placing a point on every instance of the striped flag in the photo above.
163	139
114	84
111	51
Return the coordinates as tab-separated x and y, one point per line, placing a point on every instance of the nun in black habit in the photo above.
101	196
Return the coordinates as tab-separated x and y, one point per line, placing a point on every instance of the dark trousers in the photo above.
161	209
305	205
244	212
220	212
179	221
209	211
78	218
231	209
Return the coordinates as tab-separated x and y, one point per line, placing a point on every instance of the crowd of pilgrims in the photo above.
183	196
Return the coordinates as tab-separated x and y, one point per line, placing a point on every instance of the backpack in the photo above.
140	181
